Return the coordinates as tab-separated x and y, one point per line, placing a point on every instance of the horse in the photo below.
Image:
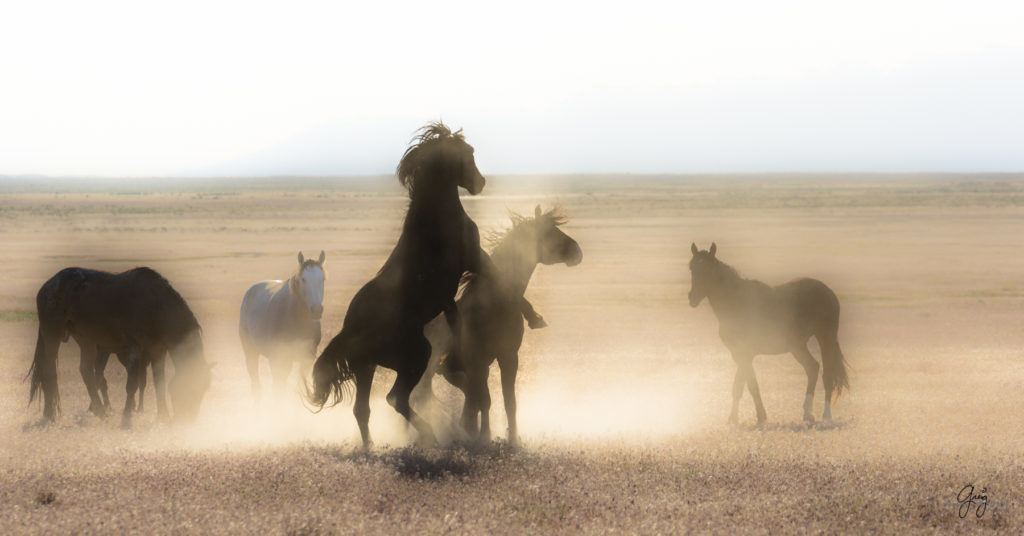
281	320
490	317
137	312
384	322
755	318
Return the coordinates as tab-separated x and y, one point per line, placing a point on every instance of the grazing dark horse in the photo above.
281	320
489	313
385	319
754	319
135	312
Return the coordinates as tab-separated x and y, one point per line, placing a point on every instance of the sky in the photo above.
185	88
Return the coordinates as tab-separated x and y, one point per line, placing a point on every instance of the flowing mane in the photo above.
555	216
413	159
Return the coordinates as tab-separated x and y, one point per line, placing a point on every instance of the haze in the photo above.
233	88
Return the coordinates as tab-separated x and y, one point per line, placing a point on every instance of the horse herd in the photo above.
406	318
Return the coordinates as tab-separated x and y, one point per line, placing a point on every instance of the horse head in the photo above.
703	273
437	156
308	284
191	377
553	245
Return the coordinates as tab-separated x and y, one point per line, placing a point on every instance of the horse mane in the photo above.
412	160
556	216
181	321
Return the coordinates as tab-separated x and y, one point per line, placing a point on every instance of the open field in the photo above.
623	398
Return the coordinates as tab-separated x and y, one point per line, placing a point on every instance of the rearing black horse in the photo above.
385	319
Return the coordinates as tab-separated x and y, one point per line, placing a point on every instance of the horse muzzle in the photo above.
575	256
476	185
694	299
317	311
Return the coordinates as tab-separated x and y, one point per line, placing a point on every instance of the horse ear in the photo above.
301	258
323	256
713	249
693	248
536	212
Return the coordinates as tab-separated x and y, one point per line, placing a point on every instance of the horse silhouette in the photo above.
489	314
281	320
384	322
755	318
136	312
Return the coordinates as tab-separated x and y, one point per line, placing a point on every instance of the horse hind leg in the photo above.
87	367
361	407
408	377
811	367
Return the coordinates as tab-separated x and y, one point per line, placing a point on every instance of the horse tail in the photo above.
50	310
331	374
833	362
39	380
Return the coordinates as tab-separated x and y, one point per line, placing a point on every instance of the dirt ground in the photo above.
623	398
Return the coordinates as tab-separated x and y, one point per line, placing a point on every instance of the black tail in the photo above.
38	378
331	374
834	365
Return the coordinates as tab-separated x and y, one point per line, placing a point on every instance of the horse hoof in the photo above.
126	424
809	418
538	323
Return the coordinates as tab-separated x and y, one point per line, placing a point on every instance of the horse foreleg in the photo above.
131	385
280	368
737	393
87	367
399	397
509	367
102	357
804	357
158	363
252	365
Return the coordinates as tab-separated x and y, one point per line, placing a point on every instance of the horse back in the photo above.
811	300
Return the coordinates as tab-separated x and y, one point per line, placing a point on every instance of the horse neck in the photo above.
727	295
516	259
427	203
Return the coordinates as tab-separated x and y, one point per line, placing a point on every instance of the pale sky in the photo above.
253	88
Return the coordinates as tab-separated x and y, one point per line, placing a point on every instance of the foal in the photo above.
754	319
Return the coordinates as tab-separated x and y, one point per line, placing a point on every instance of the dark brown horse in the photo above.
385	319
135	312
489	313
755	318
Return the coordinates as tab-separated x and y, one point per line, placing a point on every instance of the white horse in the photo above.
281	320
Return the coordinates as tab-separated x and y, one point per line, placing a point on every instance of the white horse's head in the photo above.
308	284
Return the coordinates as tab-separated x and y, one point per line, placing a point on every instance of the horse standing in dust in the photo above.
136	312
491	324
384	322
281	320
757	319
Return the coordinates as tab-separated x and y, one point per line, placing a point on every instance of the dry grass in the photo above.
623	399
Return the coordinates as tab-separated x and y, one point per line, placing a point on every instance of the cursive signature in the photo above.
968	498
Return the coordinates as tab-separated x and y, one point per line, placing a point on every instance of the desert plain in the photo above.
623	398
